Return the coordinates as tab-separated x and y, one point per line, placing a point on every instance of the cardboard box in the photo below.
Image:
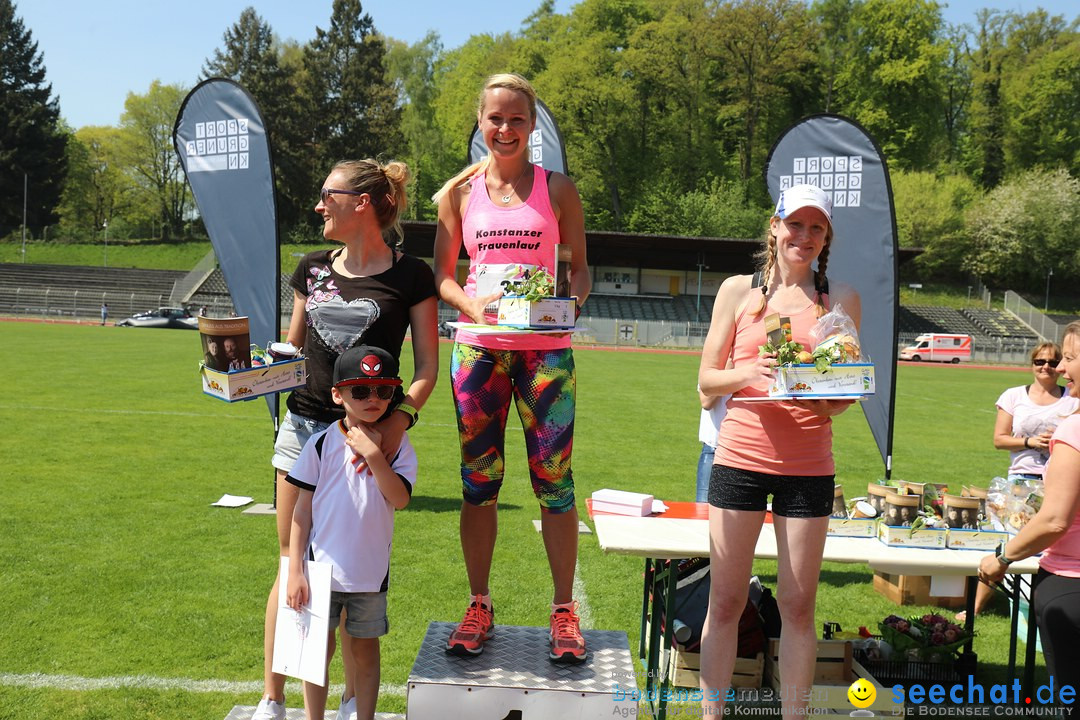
834	673
899	536
684	669
854	379
913	590
549	312
853	527
984	540
621	502
247	384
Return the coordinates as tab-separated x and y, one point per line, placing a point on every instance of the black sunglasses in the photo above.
327	192
362	392
1039	362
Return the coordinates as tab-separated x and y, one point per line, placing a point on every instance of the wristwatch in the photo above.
409	410
999	553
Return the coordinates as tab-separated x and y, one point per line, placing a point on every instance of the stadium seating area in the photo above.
22	288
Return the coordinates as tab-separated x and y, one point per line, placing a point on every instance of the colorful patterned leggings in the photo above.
543	385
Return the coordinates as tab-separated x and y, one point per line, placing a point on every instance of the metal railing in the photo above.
59	303
186	286
1034	318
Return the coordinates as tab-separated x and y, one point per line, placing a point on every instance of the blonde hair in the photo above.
766	259
1073	329
505	81
385	184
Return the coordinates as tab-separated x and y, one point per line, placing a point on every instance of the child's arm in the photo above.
299	593
364	441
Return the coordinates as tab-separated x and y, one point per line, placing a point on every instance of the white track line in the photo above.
145	682
584	611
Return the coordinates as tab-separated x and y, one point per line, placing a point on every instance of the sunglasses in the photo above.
1039	362
327	192
363	392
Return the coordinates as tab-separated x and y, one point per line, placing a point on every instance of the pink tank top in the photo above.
772	437
1063	557
498	240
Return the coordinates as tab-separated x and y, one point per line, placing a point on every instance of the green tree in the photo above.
147	150
1042	94
769	51
930	215
98	189
251	57
353	108
411	69
586	85
1024	227
32	142
892	83
716	209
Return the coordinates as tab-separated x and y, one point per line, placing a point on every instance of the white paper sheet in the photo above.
232	501
300	637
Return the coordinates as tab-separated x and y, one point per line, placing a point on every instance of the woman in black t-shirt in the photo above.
366	292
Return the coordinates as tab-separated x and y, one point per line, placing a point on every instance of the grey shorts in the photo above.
293	434
365	613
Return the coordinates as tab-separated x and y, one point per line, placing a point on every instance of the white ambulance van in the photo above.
939	347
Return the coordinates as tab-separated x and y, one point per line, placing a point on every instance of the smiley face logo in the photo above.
861	694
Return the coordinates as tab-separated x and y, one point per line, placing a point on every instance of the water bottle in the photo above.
680	630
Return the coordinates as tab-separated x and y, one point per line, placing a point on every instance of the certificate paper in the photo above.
300	637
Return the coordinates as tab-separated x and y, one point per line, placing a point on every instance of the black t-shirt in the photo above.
346	311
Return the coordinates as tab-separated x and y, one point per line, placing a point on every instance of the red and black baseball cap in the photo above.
366	365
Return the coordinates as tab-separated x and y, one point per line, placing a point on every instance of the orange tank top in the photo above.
775	438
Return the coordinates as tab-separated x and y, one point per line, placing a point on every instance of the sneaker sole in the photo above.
462	651
568	658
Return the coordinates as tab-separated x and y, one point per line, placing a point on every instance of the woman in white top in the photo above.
1028	415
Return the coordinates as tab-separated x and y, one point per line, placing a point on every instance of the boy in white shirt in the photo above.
345	516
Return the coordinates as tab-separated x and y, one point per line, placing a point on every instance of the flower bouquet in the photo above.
930	637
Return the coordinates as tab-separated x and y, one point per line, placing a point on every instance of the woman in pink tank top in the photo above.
782	449
1055	532
511	215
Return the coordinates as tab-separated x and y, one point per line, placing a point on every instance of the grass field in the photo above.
125	595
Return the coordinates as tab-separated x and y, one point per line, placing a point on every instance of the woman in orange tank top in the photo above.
778	449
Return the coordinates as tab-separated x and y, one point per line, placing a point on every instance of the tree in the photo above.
251	57
411	68
930	215
354	111
32	142
98	189
147	150
768	48
892	82
1025	227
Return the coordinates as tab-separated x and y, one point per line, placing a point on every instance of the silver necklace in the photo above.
513	186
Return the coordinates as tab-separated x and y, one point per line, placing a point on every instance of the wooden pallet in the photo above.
684	669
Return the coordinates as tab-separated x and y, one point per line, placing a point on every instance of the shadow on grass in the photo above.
443	504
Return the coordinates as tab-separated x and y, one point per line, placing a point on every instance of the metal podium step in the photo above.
514	678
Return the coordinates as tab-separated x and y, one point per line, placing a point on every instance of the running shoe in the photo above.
567	643
267	709
469	636
347	710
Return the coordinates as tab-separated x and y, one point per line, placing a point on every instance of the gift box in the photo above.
853	527
806	381
247	384
900	536
546	313
985	540
622	502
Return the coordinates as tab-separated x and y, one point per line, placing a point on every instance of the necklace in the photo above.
513	186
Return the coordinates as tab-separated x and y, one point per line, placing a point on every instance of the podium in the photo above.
513	679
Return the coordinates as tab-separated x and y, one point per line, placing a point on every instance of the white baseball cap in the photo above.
797	197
